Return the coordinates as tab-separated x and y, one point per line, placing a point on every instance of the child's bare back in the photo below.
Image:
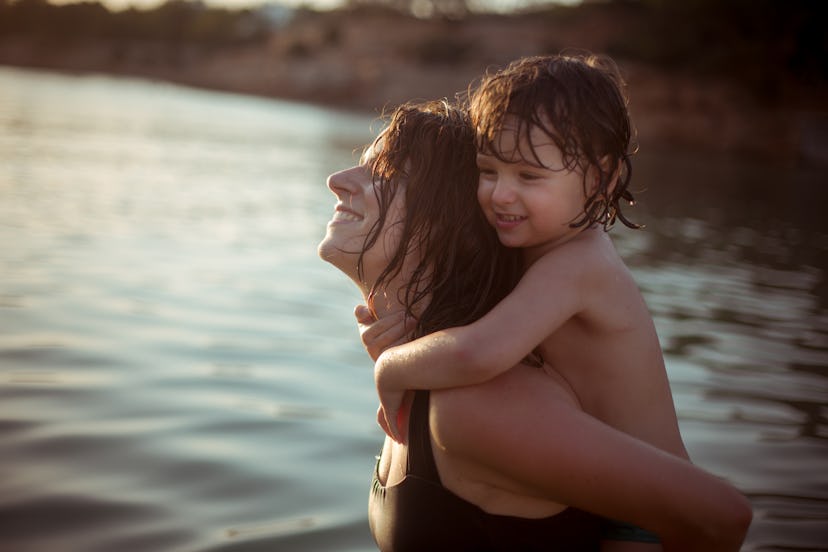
609	351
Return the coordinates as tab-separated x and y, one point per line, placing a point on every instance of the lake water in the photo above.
178	370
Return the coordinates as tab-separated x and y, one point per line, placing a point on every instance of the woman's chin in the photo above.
328	252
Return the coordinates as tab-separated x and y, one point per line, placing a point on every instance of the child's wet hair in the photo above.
579	101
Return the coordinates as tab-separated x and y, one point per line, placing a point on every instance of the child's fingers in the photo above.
363	314
409	325
382	420
389	323
401	417
391	419
384	333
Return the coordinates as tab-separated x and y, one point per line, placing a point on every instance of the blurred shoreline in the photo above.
370	60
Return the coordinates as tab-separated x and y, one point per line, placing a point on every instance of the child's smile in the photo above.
508	221
527	193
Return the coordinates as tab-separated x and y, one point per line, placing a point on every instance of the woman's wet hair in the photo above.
579	101
460	270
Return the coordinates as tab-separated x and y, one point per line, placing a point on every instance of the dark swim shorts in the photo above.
622	531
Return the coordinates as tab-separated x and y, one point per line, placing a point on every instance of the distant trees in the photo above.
764	44
760	43
453	9
176	21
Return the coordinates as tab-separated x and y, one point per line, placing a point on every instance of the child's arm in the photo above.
549	294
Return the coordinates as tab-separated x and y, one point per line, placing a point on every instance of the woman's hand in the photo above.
388	331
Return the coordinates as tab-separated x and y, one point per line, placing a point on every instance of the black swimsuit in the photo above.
419	514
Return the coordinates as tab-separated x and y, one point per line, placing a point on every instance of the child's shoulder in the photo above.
590	245
591	252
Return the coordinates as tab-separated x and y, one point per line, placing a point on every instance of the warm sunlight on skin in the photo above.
532	198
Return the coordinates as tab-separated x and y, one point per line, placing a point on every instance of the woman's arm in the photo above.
514	426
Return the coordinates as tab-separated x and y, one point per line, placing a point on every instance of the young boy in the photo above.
553	141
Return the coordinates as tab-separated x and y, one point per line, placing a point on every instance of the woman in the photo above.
512	464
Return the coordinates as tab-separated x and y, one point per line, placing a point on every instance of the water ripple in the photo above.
178	370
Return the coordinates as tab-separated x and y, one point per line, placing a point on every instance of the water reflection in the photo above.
178	371
736	303
739	299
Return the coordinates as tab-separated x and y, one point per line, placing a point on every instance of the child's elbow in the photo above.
472	358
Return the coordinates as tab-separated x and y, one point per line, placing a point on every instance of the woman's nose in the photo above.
342	183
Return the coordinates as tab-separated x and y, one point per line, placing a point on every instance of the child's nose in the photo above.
503	192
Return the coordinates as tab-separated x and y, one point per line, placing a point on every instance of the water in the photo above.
178	371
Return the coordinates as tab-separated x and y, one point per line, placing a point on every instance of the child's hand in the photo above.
392	430
390	415
378	335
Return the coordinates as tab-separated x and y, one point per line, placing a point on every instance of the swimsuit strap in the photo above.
420	455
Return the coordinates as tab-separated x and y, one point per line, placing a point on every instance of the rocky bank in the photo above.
372	60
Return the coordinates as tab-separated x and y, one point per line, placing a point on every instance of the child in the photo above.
553	142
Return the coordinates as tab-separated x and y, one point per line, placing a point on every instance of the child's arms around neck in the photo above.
552	291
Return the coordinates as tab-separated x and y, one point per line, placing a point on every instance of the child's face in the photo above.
530	205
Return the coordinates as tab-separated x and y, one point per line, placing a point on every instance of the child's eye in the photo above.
485	171
529	176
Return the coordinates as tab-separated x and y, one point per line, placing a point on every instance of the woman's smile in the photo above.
343	214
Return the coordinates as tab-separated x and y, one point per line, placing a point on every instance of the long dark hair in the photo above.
461	270
580	102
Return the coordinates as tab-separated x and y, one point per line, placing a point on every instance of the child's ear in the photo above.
609	166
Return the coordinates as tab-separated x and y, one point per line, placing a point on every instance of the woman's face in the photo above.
357	210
